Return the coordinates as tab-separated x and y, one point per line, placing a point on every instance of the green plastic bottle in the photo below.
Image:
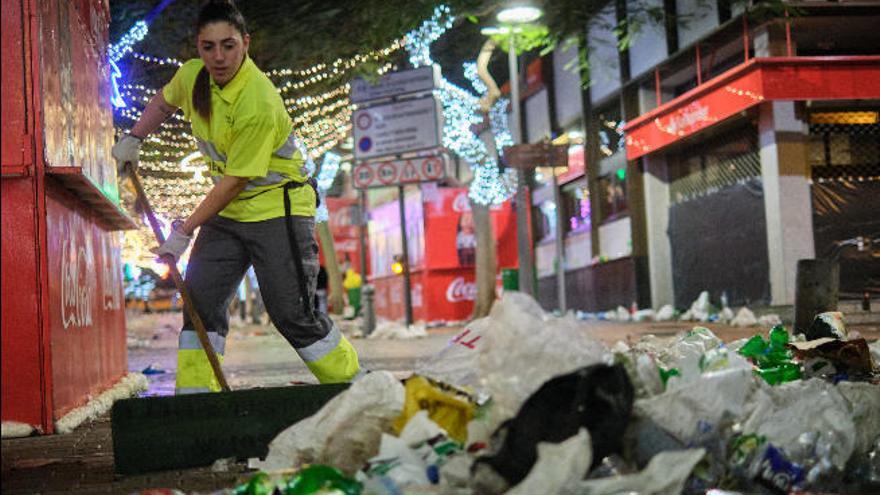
258	484
784	372
754	347
778	337
322	479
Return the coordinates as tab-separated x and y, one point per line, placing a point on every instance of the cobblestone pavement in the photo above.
257	356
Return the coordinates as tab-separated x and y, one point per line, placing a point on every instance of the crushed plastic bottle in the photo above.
322	479
772	357
258	484
784	372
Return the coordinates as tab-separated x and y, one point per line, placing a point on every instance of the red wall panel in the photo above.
22	358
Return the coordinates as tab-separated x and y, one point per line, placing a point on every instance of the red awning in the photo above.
760	79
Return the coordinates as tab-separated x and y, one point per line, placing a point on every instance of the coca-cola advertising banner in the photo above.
442	279
450	237
346	238
86	302
446	295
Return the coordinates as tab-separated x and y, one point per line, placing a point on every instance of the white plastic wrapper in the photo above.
770	320
744	318
700	309
666	474
874	347
783	412
649	377
694	406
393	330
685	351
864	401
406	466
666	313
457	364
420	428
726	315
643	315
16	429
558	465
345	432
521	336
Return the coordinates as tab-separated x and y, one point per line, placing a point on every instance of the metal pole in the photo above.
407	295
369	321
363	234
526	270
560	246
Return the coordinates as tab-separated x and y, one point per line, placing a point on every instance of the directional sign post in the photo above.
418	80
528	156
396	128
383	131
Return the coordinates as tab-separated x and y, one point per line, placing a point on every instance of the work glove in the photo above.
176	243
126	150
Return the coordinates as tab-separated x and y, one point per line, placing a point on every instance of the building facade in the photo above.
712	154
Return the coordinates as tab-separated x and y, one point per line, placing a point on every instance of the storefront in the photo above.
442	253
727	176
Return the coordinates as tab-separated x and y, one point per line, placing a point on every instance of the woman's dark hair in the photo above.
213	11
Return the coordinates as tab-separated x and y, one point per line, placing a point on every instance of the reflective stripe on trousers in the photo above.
332	359
194	372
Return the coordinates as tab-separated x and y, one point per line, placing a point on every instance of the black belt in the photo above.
308	305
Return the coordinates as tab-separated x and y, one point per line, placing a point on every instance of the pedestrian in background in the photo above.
260	210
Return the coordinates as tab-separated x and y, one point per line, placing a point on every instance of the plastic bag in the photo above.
598	398
666	474
558	465
700	403
744	318
519	335
784	412
456	364
345	432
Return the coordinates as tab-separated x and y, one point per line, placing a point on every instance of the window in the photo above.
576	206
612	192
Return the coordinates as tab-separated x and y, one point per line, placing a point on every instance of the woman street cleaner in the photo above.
260	211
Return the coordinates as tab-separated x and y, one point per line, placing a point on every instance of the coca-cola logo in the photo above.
461	203
460	290
687	118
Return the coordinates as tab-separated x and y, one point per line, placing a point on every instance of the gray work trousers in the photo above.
222	253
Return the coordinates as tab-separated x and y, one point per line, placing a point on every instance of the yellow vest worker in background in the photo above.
260	211
352	285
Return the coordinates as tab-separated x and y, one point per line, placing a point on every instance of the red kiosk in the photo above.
441	253
63	322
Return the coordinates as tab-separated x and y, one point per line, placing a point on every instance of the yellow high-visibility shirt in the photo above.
250	134
352	280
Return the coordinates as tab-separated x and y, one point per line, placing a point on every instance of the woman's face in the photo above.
222	48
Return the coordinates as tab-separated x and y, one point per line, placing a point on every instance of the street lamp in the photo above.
517	14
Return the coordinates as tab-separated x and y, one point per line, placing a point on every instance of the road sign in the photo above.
397	83
396	128
396	172
536	155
